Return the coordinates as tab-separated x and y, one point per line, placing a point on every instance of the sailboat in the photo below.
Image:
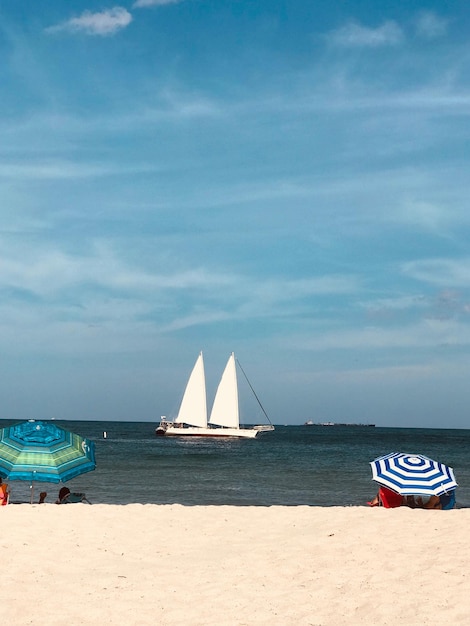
224	419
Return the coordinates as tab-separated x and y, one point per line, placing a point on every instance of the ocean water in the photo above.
293	465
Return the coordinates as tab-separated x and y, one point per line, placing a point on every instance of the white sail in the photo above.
193	409
225	409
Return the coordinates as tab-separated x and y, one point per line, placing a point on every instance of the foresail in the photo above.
225	409
193	409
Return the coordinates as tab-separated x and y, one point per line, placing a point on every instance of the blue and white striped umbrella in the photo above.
413	474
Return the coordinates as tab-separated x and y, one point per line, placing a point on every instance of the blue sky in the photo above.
288	180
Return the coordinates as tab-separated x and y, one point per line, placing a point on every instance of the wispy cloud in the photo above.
447	304
391	373
431	26
399	303
75	280
42	272
249	299
154	3
108	22
444	272
428	216
426	333
355	35
53	170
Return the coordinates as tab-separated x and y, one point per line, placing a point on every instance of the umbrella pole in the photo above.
31	486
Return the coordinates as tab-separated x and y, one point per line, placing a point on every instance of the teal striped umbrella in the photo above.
42	451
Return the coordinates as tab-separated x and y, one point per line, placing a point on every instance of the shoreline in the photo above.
236	565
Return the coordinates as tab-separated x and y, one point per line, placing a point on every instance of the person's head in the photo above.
64	492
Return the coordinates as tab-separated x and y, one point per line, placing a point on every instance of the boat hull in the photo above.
190	431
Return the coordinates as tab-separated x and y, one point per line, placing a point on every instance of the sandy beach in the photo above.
150	564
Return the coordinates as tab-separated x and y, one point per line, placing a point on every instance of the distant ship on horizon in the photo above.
312	423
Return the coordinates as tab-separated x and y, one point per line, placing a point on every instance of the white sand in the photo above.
136	564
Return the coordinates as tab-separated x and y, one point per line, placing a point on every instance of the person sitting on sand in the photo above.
386	498
42	497
68	497
64	493
444	501
4	492
428	502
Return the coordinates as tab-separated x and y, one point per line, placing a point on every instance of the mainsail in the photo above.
225	409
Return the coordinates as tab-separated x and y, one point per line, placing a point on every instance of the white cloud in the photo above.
185	105
52	276
443	272
107	22
429	333
391	373
198	318
301	288
250	299
399	303
429	216
154	3
431	26
355	35
44	272
52	170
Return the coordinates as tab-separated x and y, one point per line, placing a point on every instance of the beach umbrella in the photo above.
413	474
42	451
